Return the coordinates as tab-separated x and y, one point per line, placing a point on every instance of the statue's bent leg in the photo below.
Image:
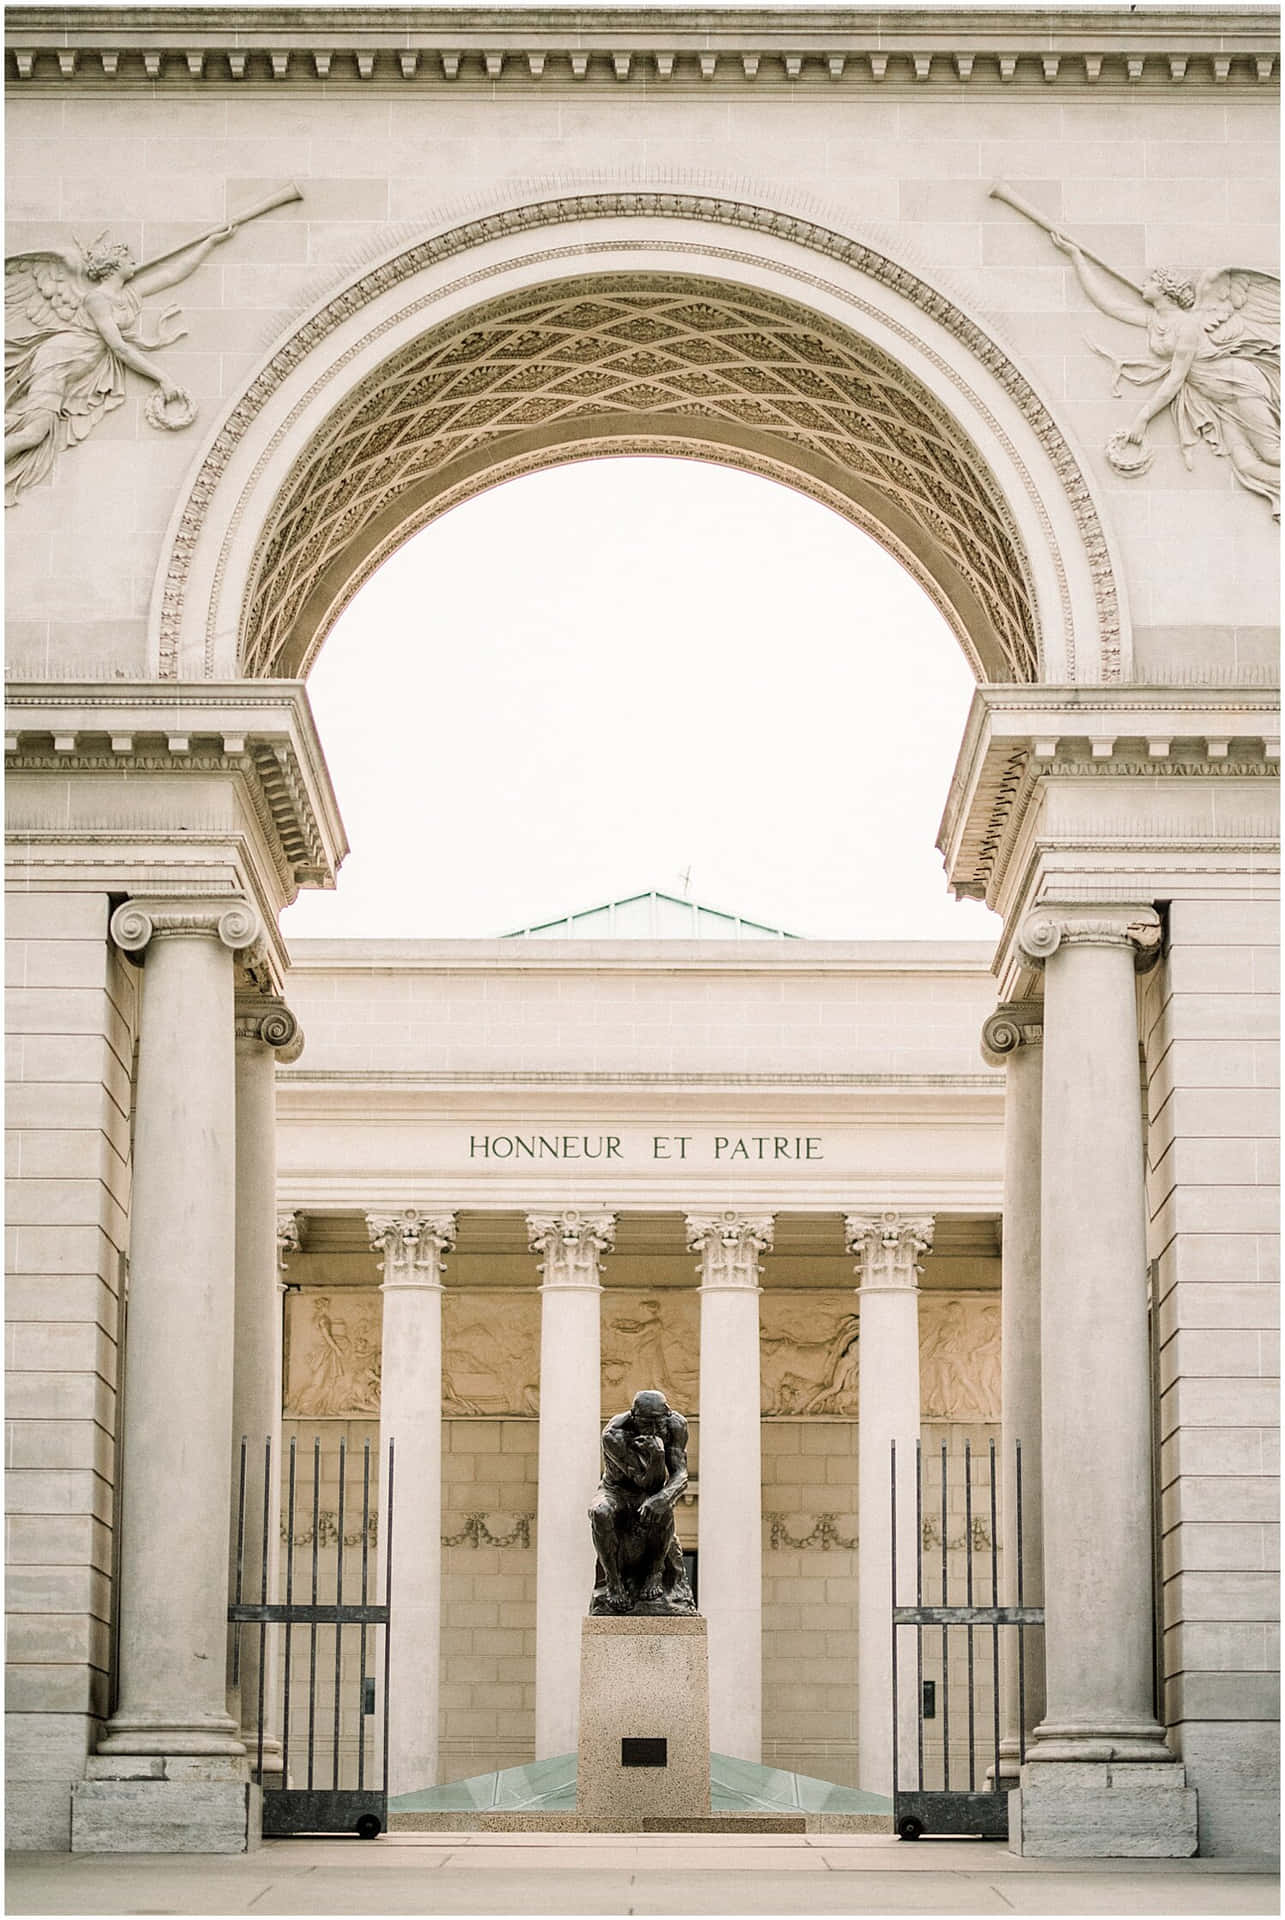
602	1525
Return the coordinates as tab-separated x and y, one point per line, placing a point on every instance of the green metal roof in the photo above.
651	916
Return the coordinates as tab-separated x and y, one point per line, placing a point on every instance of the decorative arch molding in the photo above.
992	511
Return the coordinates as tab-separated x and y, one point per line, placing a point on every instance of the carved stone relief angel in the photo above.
1214	347
74	322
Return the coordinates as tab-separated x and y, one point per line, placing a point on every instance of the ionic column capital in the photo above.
1056	923
231	921
1014	1024
413	1245
888	1246
573	1244
262	1019
729	1244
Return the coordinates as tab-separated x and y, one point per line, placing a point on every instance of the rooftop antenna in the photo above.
686	877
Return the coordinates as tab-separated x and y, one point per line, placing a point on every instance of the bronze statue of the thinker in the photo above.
640	1566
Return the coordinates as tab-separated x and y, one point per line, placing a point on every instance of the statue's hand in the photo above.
1137	433
1063	243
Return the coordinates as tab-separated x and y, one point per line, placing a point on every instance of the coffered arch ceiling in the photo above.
616	363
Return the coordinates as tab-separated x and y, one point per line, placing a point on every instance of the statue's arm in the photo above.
167	272
1169	388
1097	287
675	1460
615	1441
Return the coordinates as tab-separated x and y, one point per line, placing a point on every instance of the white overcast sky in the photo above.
588	681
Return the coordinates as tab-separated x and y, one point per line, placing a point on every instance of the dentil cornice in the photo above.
1018	736
981	48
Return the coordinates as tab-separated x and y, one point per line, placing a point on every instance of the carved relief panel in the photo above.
808	1353
651	1340
332	1352
490	1353
959	1375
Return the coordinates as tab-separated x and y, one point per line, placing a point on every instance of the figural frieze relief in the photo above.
75	324
490	1353
808	1354
959	1357
1213	359
332	1358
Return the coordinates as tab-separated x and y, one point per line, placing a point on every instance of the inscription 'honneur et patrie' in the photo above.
656	1146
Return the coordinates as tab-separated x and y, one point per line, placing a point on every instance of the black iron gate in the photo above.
319	1663
955	1767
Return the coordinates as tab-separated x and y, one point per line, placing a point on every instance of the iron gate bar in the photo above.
312	1808
947	1809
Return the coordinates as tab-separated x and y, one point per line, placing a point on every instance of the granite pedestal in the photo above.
644	1720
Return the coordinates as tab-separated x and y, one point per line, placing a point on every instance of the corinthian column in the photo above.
1096	1404
573	1244
888	1247
176	1456
410	1415
1013	1039
266	1031
731	1474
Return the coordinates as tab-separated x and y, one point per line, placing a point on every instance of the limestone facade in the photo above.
770	240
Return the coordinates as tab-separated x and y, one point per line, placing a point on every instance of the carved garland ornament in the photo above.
696	207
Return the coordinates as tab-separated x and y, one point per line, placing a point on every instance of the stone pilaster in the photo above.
266	1031
731	1473
888	1247
1012	1038
176	1456
1079	1792
410	1416
572	1244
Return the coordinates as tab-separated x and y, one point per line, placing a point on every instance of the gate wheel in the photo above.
909	1828
369	1826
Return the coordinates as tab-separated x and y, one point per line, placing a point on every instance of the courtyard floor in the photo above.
626	1874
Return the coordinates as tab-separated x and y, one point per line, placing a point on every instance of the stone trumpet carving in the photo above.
1214	346
644	1471
74	322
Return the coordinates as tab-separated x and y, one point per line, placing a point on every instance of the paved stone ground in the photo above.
612	1874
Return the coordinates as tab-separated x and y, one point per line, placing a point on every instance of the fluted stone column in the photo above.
1096	1406
888	1247
1013	1039
176	1454
570	1459
266	1031
731	1474
410	1415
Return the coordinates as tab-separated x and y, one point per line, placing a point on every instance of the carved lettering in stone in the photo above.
959	1357
74	324
808	1353
490	1353
1213	342
651	1340
332	1353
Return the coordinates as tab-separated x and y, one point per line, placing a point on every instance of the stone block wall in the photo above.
1210	1020
72	1009
488	1595
810	1597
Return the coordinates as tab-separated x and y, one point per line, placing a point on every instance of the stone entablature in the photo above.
980	48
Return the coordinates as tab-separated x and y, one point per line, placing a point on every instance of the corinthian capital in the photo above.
888	1246
412	1244
261	1018
232	922
1014	1024
1056	923
287	1237
572	1243
729	1245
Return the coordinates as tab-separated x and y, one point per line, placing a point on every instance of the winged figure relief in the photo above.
74	325
1213	357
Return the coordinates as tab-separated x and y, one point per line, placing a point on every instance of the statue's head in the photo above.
102	260
1169	283
650	1409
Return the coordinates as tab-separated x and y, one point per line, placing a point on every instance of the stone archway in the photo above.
598	327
